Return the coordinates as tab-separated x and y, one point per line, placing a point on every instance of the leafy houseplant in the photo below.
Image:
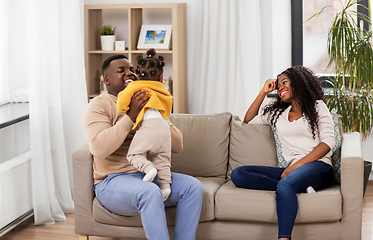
107	29
350	53
107	37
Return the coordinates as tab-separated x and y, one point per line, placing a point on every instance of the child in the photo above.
153	139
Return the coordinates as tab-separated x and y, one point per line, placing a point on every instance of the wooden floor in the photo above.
65	230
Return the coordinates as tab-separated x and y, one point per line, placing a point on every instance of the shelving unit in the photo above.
94	56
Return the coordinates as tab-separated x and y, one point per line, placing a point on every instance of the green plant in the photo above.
350	53
107	29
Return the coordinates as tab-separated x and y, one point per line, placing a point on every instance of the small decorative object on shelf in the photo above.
107	37
155	36
168	83
120	45
102	84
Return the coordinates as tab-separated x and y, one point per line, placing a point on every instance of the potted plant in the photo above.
350	54
107	37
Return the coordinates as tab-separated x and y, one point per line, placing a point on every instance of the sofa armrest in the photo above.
82	161
352	173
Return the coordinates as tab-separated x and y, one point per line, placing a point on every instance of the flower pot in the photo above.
107	42
367	170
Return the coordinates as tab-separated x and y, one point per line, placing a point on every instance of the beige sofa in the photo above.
213	146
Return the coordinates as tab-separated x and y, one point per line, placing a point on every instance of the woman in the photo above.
305	129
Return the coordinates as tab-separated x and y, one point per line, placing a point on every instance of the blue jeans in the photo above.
127	194
316	174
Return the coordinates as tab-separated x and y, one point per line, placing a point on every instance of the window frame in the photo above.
297	28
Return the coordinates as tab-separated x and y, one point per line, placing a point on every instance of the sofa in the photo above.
214	145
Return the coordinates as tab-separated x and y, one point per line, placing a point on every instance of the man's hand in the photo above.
138	101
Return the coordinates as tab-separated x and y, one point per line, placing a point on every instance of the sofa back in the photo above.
250	144
215	144
206	144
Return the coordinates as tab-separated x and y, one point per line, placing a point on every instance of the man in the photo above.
118	185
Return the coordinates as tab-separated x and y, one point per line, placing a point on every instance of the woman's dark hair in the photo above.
149	67
306	89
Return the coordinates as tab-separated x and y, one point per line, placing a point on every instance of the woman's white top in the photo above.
296	137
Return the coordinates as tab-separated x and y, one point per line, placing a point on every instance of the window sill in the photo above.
12	113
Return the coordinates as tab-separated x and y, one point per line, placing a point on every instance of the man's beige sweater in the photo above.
109	135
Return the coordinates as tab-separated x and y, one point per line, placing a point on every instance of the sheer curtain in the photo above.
233	47
4	20
46	67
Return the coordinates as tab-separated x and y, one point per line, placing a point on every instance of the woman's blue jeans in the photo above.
316	174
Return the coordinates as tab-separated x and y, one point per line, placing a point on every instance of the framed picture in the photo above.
155	36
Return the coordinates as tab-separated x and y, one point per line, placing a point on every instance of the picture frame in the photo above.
155	36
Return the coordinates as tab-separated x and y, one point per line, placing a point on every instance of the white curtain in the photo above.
45	59
232	49
4	21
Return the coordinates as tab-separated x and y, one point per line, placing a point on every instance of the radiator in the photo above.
15	191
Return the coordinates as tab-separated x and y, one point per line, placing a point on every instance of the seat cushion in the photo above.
241	204
206	140
250	144
210	187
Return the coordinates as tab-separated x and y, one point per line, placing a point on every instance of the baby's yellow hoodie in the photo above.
160	98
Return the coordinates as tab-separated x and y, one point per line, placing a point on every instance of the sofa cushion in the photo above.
241	204
210	187
206	140
250	144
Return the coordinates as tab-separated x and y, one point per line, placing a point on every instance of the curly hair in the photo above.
149	67
306	89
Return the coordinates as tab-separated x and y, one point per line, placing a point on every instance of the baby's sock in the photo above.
149	176
310	190
166	192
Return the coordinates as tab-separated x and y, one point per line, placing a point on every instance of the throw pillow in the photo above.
336	151
336	156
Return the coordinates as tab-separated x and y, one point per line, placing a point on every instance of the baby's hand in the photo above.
166	192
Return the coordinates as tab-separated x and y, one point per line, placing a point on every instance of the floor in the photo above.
65	230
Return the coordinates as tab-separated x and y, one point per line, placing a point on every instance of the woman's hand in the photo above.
289	169
269	86
253	110
138	101
318	152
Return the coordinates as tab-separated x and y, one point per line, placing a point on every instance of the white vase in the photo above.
107	42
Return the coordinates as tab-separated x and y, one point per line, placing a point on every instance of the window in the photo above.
309	40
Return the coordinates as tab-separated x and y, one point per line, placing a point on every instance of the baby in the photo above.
150	149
